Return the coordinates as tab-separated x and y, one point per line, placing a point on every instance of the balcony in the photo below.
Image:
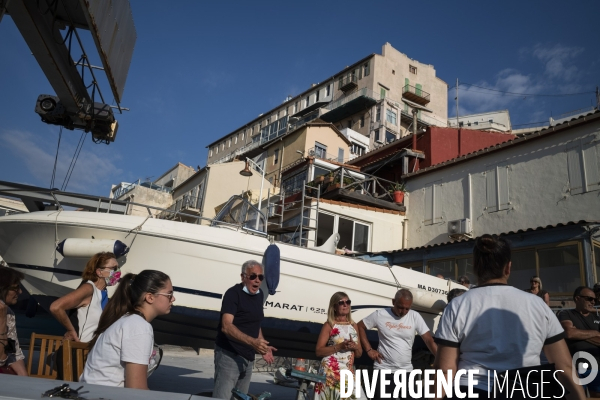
348	82
350	105
416	95
354	187
123	188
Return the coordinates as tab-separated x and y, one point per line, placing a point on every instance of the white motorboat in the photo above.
203	261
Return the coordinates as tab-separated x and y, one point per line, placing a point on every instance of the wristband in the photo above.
369	350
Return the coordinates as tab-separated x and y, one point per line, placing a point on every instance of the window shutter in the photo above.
429	205
574	159
502	175
437	203
340	155
492	190
590	160
418	88
368	68
406	83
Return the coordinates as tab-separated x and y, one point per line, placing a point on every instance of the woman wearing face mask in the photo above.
122	345
89	298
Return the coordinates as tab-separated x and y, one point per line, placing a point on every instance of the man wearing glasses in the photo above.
582	330
239	336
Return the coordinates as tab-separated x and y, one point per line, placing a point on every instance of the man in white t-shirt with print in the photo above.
396	328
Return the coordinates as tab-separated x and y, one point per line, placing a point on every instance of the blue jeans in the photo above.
231	371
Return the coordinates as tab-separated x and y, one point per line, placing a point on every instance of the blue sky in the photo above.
202	69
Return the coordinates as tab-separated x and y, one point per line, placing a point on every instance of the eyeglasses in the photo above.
14	288
254	276
588	298
344	303
170	296
533	282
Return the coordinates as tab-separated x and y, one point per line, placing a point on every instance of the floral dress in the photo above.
331	365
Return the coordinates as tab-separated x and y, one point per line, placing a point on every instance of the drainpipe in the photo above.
405	233
281	162
414	141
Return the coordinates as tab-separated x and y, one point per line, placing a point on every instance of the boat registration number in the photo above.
432	289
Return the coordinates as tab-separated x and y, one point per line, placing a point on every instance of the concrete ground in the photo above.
182	370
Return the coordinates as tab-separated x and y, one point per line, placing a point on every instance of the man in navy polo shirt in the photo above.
239	336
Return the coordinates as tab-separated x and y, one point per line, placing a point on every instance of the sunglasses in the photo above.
344	303
254	276
588	298
14	288
167	295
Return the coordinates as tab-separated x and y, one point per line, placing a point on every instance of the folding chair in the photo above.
48	345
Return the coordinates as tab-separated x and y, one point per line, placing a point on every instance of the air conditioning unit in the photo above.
459	228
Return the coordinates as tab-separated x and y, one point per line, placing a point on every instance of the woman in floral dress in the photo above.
338	344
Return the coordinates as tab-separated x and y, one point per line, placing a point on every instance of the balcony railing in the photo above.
417	95
346	99
124	187
359	183
318	152
348	82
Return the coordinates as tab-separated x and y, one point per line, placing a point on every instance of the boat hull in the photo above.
203	262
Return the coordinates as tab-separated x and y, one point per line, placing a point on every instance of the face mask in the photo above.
113	278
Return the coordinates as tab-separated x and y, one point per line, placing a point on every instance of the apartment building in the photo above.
373	98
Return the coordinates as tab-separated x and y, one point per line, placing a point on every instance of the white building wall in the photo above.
539	175
386	229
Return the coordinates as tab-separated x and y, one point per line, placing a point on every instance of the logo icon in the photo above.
582	363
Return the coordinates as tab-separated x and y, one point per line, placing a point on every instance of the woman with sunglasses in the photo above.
89	299
338	344
536	288
123	343
11	355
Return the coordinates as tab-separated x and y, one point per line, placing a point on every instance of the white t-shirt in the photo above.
396	337
130	339
497	327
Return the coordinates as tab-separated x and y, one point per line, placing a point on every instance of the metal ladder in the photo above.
310	207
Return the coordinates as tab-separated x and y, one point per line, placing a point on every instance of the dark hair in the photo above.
455	293
464	278
129	296
8	278
578	291
98	260
490	255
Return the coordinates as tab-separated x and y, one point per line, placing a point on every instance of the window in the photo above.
229	143
557	265
349	124
328	90
582	162
453	268
366	68
340	155
293	184
320	150
210	153
389	136
382	93
412	69
235	139
295	107
357	149
276	156
393	72
390	116
433	203
362	121
307	101
497	188
223	146
378	114
354	235
317	96
217	150
243	134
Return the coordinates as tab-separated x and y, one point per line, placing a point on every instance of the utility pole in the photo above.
457	123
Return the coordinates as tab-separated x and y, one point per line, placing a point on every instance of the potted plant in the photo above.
330	176
397	190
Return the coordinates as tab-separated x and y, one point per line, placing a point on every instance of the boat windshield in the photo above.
238	211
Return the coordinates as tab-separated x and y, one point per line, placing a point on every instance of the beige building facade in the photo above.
374	97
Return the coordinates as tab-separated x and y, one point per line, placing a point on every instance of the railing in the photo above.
124	187
318	152
416	91
347	80
345	99
559	118
359	182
